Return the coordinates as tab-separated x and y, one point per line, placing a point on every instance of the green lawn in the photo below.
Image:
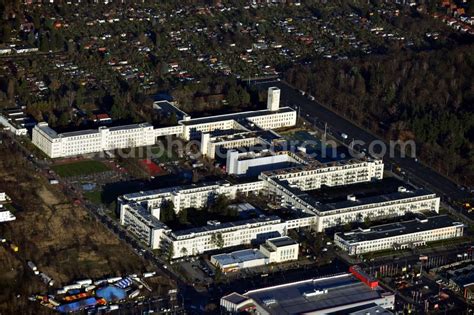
94	196
80	168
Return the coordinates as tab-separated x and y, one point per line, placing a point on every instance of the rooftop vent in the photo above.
315	293
269	301
402	189
351	197
213	222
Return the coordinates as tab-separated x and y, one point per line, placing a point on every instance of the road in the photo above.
319	114
112	225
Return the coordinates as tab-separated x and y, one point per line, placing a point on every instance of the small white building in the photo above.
274	250
241	259
280	249
399	235
6	216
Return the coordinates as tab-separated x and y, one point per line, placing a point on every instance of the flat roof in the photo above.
315	295
235	116
239	256
318	165
325	207
398	228
173	189
146	217
282	241
53	134
235	298
366	309
226	225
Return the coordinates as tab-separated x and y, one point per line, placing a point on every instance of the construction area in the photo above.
62	239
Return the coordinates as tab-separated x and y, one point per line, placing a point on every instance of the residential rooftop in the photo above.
325	207
235	116
398	228
239	256
227	225
282	241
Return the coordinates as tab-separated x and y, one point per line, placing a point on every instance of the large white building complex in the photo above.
89	141
399	235
331	295
110	138
291	189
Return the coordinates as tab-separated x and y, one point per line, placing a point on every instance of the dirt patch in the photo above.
63	239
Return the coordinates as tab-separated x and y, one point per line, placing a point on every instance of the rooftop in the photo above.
239	256
315	295
320	206
282	241
53	134
228	225
398	228
235	116
174	189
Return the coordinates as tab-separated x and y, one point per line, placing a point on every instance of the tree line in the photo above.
425	96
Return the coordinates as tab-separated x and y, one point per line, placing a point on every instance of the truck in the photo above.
33	267
46	279
134	294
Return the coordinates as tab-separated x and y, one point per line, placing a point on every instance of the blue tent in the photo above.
77	306
111	293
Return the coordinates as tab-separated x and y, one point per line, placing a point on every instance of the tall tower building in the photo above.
273	101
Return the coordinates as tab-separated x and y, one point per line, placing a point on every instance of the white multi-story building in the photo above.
250	139
95	140
340	173
399	235
354	209
89	141
280	249
195	195
241	163
245	121
194	241
222	235
143	224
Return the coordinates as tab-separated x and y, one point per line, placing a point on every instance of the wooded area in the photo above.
425	96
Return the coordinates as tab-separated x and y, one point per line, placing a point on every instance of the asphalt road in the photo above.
318	114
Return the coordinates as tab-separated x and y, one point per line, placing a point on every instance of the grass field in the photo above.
80	168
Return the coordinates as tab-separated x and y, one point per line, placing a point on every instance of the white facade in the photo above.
16	130
399	235
199	240
330	174
89	141
209	145
239	163
274	250
144	225
273	100
6	216
3	196
280	249
392	207
190	195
